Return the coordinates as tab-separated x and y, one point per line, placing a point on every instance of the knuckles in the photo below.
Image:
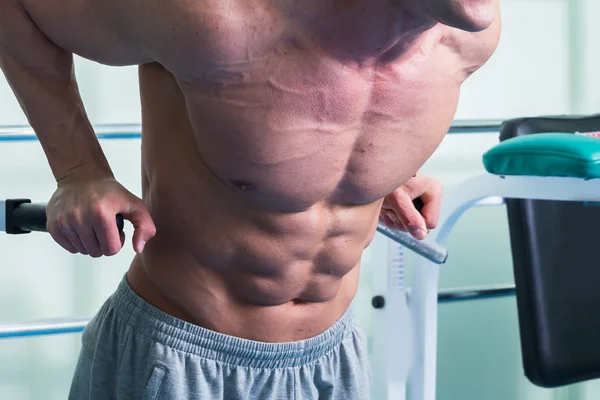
79	216
151	230
96	254
113	251
98	209
82	217
437	188
431	224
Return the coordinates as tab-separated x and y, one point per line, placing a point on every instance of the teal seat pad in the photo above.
546	154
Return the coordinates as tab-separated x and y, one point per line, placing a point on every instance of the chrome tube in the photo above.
475	293
43	328
475	126
425	248
133	131
77	325
103	132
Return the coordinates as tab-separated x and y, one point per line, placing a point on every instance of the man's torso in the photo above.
271	132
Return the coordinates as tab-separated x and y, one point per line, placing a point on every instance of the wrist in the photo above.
84	172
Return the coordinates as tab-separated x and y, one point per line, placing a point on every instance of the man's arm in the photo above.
476	48
42	77
81	213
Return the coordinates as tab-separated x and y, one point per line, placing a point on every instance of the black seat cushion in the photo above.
556	260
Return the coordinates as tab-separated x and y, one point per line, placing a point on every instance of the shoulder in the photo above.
191	36
474	48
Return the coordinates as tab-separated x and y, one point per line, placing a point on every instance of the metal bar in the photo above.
43	328
577	34
22	216
475	126
26	133
2	216
17	133
426	248
475	293
490	201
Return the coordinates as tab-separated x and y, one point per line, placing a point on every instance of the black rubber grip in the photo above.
22	216
28	217
12	217
120	222
418	203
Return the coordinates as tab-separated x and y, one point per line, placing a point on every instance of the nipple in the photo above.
243	186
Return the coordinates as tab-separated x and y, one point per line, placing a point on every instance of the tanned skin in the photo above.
273	132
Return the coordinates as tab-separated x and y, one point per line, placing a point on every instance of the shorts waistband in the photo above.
193	339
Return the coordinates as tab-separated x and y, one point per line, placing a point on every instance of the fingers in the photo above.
429	190
408	215
94	232
398	209
78	233
89	240
82	217
88	230
105	229
63	241
389	218
432	204
75	241
386	205
144	228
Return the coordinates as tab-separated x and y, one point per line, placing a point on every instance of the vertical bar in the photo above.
379	318
578	87
2	216
398	337
577	60
424	311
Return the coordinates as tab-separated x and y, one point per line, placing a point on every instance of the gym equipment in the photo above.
554	247
526	171
19	216
549	180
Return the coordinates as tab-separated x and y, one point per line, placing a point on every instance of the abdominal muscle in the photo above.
228	264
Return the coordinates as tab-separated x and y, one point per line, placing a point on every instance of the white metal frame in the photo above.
420	312
2	216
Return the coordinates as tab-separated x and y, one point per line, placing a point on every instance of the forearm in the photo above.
42	78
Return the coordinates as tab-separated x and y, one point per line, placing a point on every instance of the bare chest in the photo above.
289	117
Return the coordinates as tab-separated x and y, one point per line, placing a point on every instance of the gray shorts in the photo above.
132	350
